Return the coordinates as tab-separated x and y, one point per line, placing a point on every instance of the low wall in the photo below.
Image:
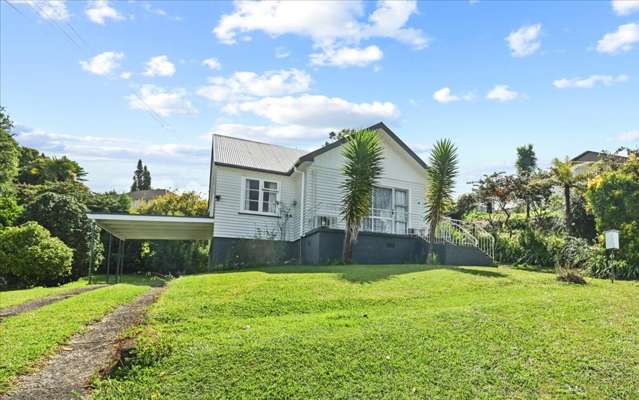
324	246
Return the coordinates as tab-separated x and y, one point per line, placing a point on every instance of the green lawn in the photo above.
28	337
13	297
391	332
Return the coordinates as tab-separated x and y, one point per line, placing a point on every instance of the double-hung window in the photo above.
260	196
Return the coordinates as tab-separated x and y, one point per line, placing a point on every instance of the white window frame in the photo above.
243	210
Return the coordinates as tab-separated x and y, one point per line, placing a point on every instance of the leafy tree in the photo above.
42	169
501	189
28	193
465	203
526	165
146	179
10	210
111	202
440	175
363	154
176	256
9	156
526	160
65	217
138	177
563	175
29	255
6	124
614	199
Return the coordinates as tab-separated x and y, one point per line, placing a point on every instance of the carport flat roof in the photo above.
154	227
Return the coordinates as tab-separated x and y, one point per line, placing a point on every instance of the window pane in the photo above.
270	185
252	184
252	205
401	198
382	198
253	195
269	202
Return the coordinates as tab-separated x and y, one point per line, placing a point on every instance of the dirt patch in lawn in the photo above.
37	303
67	374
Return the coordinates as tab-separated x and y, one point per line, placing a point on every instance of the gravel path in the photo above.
67	374
37	303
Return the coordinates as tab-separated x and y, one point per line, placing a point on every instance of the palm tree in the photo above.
440	174
563	176
363	154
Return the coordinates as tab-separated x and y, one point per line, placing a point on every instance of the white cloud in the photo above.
589	82
625	7
316	111
444	95
162	101
630	136
126	75
282	52
52	10
502	93
270	133
159	66
524	41
347	56
244	85
212	63
620	40
103	64
99	11
334	24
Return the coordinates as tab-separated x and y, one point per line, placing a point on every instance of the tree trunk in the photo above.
347	248
568	210
527	210
431	245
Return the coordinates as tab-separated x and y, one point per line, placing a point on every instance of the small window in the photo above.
260	196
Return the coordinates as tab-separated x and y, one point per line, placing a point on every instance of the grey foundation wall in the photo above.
324	246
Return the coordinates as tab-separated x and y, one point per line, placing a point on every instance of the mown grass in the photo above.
28	337
392	332
10	298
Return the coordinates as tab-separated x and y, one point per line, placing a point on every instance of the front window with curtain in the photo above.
389	211
260	196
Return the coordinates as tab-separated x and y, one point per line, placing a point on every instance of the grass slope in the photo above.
29	337
392	332
13	297
10	298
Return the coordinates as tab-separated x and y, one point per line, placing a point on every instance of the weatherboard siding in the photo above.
231	222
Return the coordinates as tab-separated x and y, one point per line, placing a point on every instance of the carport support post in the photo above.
91	251
108	260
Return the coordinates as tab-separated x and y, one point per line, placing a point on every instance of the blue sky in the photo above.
110	82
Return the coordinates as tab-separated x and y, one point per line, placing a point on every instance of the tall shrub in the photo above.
614	199
65	217
363	154
440	180
29	255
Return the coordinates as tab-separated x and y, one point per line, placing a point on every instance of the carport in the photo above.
145	227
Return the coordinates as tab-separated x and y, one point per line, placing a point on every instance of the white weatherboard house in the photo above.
273	204
261	193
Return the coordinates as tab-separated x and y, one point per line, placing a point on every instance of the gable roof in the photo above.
248	154
591	156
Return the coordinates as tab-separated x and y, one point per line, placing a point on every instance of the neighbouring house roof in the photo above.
592	156
147	195
249	154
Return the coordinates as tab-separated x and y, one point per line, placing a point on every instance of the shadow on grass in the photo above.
534	268
369	273
137	280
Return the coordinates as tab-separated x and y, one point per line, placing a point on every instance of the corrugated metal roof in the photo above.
250	154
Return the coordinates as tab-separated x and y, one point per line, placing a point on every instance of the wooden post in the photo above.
91	251
108	263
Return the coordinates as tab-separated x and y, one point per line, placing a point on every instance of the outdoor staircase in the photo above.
460	233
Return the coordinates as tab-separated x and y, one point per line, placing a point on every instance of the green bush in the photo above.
29	255
528	247
65	217
614	199
9	210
